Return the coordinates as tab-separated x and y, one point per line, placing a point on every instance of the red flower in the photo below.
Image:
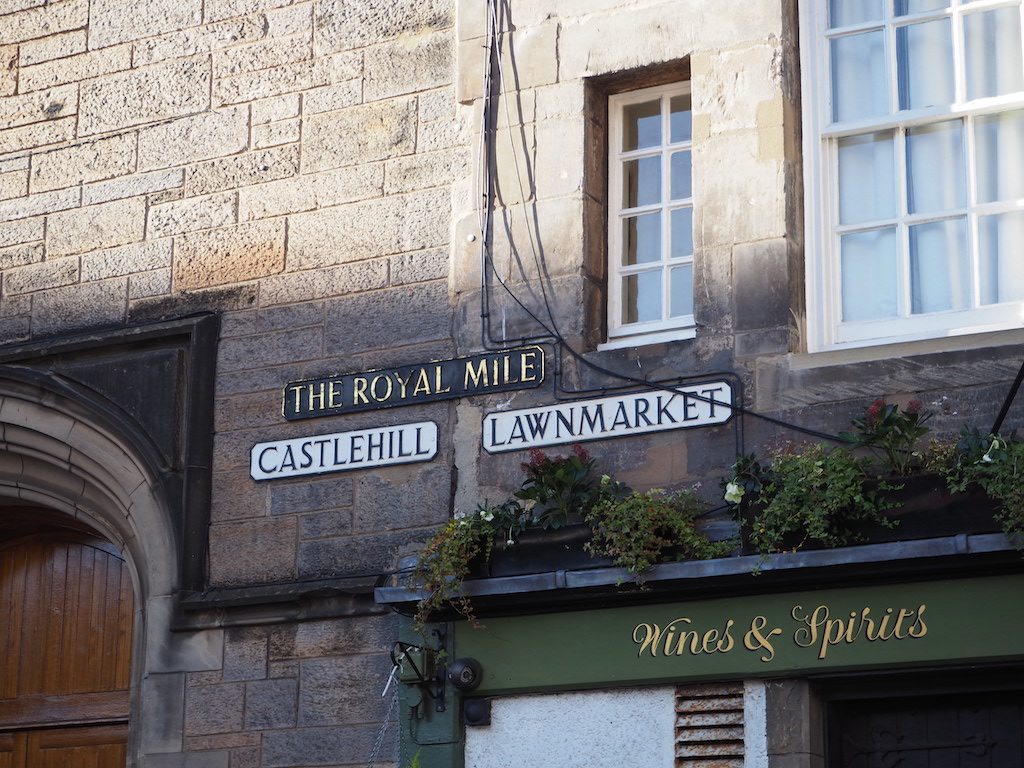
914	406
581	453
874	411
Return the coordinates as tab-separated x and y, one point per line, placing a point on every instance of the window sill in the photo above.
641	340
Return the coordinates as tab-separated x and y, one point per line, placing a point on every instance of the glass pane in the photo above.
907	7
642	239
992	53
924	59
869	275
999	143
867	178
641	297
935	168
641	125
940	270
843	12
682	290
681	222
860	85
1001	257
680	119
641	181
682	176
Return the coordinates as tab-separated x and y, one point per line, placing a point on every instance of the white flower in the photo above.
733	492
486	515
510	542
605	479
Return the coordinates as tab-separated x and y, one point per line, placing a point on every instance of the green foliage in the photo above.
995	463
648	528
885	428
815	494
563	488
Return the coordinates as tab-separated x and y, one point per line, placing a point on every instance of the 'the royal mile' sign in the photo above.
509	369
697	405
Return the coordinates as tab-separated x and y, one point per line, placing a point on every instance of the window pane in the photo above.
999	141
924	57
681	222
641	297
1002	260
860	85
935	167
680	119
940	270
843	12
642	239
682	290
641	182
641	125
992	53
869	277
907	7
682	178
867	178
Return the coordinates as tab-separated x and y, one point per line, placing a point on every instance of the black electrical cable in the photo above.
1010	397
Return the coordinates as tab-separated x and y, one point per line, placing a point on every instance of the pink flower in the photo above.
914	406
874	411
581	453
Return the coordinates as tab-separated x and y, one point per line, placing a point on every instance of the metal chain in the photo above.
383	728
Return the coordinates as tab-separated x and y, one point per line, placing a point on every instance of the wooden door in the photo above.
65	652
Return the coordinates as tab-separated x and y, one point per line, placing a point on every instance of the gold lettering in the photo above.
919	628
478	376
833	634
650	638
296	388
726	643
755	638
504	367
422	384
903	614
334	390
403	383
709	643
359	391
387	393
494	377
806	636
437	381
869	625
680	646
526	367
319	396
882	625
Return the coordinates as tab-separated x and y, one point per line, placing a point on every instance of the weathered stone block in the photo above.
290	21
121	21
169	89
311	192
38	22
8	70
530	59
245	654
325	525
343	690
425	170
97	226
48	48
128	259
19	232
279	108
316	639
322	283
37	135
359	135
409	64
271	704
229	255
14	184
218	10
195	138
40	276
275	134
79	306
242	170
761	276
334	558
37	107
272	52
252	552
316	496
288	78
332	97
189	42
145	284
269	349
194	213
20	255
407	497
38	205
214	708
366	230
236	497
342	25
419	267
73	69
374	320
132	186
91	161
322	746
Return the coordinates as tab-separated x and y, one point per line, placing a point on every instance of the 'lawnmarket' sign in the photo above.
698	405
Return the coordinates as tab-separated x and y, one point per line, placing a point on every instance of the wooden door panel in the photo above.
90	747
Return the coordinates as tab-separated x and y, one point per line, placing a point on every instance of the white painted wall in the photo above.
591	729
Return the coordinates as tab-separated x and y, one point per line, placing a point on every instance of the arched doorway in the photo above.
66	615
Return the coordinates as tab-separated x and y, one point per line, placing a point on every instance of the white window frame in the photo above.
668	328
826	331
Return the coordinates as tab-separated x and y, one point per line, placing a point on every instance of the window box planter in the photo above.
538	550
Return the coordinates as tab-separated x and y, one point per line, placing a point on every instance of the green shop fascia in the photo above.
934	604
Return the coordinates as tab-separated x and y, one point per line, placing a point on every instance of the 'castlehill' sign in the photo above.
413	384
697	405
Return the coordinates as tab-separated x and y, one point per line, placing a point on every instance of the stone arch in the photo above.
63	448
